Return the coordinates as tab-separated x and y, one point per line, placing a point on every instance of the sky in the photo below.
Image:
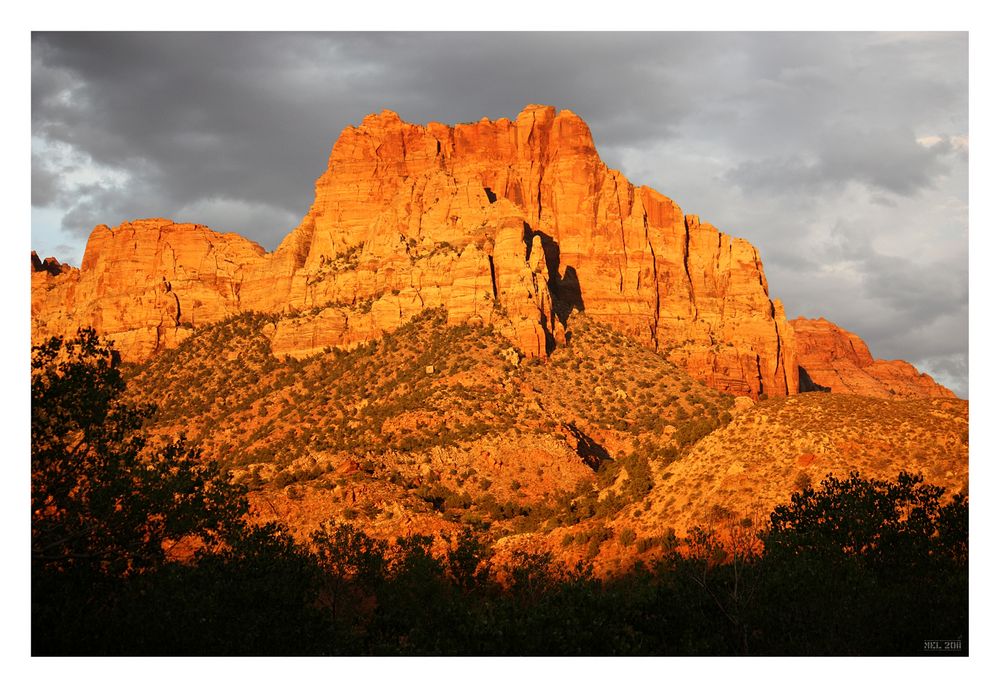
842	156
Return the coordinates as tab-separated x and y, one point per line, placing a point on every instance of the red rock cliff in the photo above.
834	360
512	222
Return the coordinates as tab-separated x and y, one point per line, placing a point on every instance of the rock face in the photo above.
515	223
832	359
147	283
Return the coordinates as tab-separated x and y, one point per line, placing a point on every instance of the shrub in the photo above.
873	519
802	481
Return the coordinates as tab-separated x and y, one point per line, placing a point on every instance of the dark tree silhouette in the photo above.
863	566
105	503
102	498
881	522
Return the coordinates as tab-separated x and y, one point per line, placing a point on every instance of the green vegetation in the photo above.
605	381
287	424
224	382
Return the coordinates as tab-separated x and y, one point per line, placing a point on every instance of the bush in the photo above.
872	519
802	481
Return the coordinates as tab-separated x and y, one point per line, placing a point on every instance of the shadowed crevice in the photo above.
592	453
806	383
564	288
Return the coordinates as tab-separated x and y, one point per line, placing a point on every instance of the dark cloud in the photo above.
843	156
44	182
921	303
886	160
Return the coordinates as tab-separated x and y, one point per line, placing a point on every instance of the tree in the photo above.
103	499
879	522
863	565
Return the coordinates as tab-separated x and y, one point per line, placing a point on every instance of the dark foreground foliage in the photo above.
854	567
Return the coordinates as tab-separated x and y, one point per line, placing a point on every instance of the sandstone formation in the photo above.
146	284
515	223
832	359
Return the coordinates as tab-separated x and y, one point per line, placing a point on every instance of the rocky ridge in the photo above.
832	359
513	223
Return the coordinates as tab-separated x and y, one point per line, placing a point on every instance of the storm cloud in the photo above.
842	156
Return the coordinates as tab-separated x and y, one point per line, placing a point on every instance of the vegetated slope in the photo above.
783	445
433	426
601	453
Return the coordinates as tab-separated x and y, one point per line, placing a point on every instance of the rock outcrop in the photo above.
148	283
832	359
515	223
50	265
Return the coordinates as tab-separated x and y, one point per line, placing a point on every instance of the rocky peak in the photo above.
512	222
820	339
831	359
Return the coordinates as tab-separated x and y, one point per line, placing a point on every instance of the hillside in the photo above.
598	454
781	446
432	425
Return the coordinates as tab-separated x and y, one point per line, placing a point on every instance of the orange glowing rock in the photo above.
510	222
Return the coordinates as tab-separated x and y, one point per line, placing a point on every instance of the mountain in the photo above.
511	223
484	326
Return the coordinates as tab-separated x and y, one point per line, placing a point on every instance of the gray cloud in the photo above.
843	156
888	160
44	182
923	306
